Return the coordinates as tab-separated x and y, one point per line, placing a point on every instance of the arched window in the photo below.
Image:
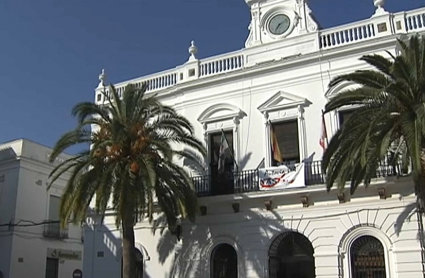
139	264
367	258
224	262
291	255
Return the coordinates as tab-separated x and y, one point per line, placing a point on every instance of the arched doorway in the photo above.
291	255
367	258
139	264
224	262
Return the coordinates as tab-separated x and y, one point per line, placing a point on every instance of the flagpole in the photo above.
231	153
324	125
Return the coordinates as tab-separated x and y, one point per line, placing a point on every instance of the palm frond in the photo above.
389	117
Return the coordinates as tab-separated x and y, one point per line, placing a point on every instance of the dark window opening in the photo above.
52	268
288	141
367	258
291	255
224	262
344	115
222	168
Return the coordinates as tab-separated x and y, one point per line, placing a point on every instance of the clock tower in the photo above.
274	20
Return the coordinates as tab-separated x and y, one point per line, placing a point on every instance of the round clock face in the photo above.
279	24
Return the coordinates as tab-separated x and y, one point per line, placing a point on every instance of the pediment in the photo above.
220	112
282	100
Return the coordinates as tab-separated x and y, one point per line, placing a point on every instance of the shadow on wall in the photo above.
104	247
193	254
7	193
7	152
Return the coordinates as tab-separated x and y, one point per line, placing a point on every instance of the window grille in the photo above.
224	262
367	258
291	255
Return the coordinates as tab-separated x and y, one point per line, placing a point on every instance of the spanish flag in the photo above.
277	156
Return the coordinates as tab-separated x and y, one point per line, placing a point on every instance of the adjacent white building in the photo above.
247	225
29	248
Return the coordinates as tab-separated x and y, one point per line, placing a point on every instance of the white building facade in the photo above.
32	243
276	87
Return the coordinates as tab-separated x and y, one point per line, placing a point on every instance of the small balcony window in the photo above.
222	164
52	227
53	230
344	115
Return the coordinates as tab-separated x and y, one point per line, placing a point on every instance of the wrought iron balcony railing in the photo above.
53	230
248	181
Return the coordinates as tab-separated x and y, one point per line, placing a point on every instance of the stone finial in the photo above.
379	4
193	50
102	78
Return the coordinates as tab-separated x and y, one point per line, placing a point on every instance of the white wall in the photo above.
102	249
9	174
232	100
328	225
26	248
309	80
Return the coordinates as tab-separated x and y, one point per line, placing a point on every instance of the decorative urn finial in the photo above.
102	78
379	4
193	50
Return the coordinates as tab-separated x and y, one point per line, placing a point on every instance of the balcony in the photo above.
53	230
248	181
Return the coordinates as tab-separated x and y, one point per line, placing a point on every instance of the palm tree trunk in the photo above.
128	247
420	185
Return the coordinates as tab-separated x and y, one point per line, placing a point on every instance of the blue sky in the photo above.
52	51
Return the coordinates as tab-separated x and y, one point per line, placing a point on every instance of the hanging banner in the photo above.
281	177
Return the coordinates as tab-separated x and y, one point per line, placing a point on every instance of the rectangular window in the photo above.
215	143
344	115
221	175
54	228
52	268
288	141
54	204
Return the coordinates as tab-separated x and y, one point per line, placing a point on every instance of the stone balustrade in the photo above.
347	34
415	20
217	65
328	39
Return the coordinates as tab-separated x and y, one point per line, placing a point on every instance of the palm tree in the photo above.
389	118
131	165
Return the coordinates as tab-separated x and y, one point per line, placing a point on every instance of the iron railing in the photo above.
54	230
248	180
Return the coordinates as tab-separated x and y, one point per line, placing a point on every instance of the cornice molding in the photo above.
368	46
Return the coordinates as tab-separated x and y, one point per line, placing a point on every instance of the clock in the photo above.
279	24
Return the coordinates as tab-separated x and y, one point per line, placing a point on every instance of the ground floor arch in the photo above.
367	258
224	262
291	255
